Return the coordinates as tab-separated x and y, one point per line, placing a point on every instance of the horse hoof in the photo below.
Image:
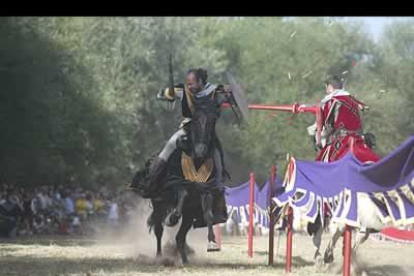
212	247
328	258
318	259
173	220
158	260
189	250
184	262
165	262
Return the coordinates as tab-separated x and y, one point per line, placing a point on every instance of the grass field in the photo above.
120	254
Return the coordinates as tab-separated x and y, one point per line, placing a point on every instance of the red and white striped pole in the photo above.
348	231
251	210
347	250
289	234
289	241
218	235
271	215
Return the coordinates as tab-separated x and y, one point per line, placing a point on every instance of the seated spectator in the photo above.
10	212
89	204
81	206
98	204
27	212
113	213
69	205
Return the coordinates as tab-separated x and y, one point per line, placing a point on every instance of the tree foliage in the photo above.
78	95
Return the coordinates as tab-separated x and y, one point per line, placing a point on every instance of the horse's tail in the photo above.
150	222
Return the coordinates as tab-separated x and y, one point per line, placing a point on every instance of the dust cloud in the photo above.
133	240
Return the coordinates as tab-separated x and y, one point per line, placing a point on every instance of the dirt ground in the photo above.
115	255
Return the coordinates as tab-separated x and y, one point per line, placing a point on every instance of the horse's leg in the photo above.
329	251
175	216
218	166
317	239
182	194
361	236
159	230
212	246
155	222
181	237
188	249
207	204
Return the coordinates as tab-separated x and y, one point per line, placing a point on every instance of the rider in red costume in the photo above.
341	121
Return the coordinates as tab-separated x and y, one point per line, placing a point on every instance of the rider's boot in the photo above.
212	247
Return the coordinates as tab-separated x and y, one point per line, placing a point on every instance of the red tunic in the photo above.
342	116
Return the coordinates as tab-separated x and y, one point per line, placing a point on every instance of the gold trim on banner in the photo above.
190	172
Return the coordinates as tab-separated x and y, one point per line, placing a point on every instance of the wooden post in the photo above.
271	215
347	250
251	211
289	240
347	240
218	235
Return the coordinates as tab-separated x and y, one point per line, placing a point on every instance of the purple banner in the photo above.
237	200
390	181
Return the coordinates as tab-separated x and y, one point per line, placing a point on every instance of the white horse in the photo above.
370	221
233	227
369	218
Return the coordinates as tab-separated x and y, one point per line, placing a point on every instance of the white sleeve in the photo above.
312	130
180	94
164	95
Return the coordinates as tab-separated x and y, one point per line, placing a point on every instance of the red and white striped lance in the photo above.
291	108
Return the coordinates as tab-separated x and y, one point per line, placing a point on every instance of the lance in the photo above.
292	108
242	105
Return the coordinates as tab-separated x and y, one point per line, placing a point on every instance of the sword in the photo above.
171	75
171	105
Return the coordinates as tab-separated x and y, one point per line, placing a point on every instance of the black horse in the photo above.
192	187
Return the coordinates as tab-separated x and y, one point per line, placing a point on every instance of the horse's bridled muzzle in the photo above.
200	150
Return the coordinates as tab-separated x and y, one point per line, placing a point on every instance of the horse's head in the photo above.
203	126
140	183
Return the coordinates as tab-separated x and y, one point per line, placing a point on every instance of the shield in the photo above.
239	97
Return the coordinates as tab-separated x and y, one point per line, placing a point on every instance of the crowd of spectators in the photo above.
58	210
